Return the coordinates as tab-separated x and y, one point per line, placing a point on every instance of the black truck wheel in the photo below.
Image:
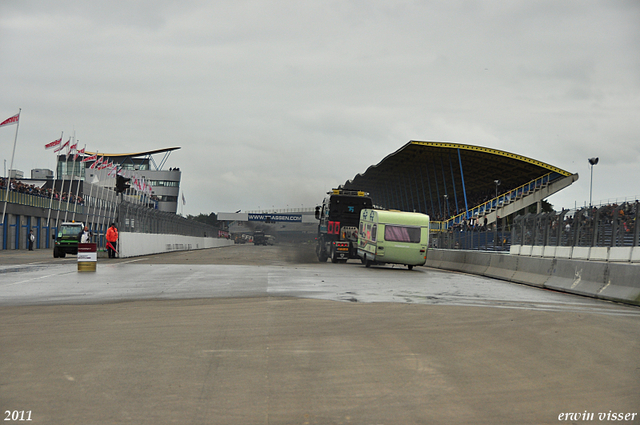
322	255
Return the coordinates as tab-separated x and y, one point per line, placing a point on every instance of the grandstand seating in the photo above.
520	193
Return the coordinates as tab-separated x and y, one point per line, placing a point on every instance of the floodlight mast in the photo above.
592	162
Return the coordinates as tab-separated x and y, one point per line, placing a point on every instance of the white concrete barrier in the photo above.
563	251
599	253
537	251
549	251
136	244
615	281
580	253
635	254
620	253
525	250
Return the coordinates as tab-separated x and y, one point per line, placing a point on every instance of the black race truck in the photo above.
259	238
339	215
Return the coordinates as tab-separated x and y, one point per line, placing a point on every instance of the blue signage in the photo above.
290	218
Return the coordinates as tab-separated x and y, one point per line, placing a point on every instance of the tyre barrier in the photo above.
613	281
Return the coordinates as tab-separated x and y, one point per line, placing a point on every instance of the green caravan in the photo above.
394	237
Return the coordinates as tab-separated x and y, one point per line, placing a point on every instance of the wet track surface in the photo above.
267	335
288	271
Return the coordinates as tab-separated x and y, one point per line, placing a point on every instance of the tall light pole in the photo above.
446	200
592	162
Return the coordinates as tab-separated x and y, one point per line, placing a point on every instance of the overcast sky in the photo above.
276	102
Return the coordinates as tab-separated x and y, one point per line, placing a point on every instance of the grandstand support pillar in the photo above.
614	228
464	190
539	206
594	214
636	227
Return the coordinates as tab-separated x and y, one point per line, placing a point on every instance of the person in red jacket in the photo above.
112	240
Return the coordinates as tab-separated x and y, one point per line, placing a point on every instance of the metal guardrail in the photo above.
40	202
282	211
137	218
484	240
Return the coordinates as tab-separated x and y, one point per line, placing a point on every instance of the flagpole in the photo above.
53	188
90	199
107	209
60	195
15	140
111	207
62	183
101	217
75	205
95	203
72	174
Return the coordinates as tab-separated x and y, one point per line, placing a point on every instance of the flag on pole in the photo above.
73	148
89	158
97	162
53	144
11	120
63	146
78	152
184	202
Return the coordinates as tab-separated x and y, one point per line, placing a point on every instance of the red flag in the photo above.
96	163
89	158
63	146
11	120
53	144
111	246
78	152
72	148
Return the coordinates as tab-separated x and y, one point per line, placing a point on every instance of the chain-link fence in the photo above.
140	219
605	226
493	239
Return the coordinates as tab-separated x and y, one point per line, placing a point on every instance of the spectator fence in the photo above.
613	225
138	218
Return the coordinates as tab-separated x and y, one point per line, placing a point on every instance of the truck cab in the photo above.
67	239
338	218
259	238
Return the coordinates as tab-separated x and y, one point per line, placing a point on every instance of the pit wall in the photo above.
135	244
613	281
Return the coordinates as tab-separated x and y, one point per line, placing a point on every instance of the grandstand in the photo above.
455	182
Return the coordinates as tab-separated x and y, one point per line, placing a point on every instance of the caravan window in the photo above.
368	231
402	234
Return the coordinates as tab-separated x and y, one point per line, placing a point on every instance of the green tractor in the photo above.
67	239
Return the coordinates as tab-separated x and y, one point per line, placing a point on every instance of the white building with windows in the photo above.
143	166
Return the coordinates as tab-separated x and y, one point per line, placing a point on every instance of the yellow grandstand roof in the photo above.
134	154
425	175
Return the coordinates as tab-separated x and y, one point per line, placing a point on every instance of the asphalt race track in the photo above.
267	335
